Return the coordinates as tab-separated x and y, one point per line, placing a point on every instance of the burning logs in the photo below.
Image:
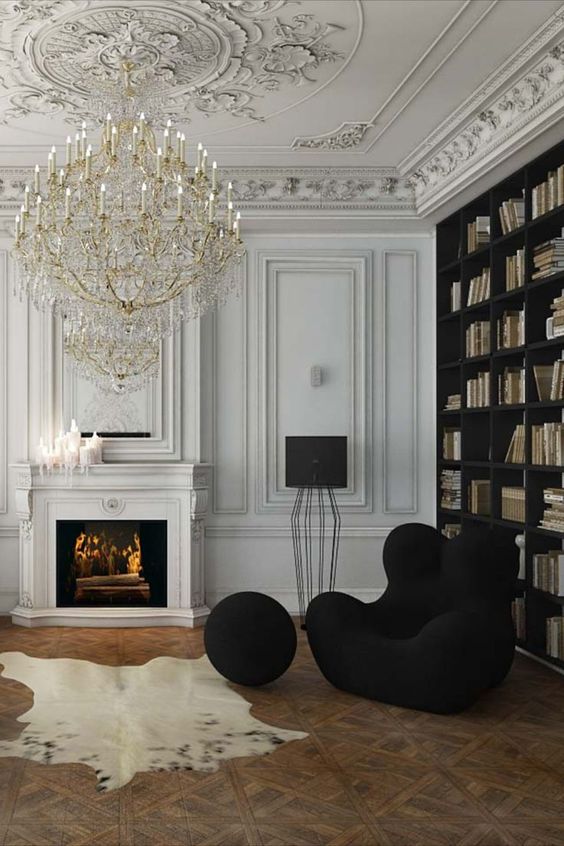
122	586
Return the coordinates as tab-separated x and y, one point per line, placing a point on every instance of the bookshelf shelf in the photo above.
486	432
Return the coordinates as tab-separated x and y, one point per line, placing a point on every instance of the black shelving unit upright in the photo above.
486	432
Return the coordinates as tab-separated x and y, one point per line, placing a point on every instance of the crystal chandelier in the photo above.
126	242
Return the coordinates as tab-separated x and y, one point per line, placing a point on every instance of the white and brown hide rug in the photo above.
168	714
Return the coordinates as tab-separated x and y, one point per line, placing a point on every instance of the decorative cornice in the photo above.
377	189
347	136
206	56
494	122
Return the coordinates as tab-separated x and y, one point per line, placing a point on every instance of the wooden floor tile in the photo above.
368	774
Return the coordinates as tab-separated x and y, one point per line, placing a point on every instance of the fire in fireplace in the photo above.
111	562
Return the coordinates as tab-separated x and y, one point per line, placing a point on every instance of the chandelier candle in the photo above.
126	245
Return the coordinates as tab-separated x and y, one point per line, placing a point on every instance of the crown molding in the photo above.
347	136
378	189
494	122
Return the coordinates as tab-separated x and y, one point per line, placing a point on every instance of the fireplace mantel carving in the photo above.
171	491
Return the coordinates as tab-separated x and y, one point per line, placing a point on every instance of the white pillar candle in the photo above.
69	151
144	198
73	437
59	445
96	443
85	454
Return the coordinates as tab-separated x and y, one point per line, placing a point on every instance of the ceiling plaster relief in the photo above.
205	56
537	95
277	189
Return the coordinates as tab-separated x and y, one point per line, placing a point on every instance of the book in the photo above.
511	329
451	444
516	450
513	504
451	490
479	497
543	379
548	571
518	615
455	296
511	386
478	233
512	213
515	270
451	530
453	403
549	194
478	390
478	338
479	288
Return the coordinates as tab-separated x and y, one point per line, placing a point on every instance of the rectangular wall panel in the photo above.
399	458
314	310
4	284
229	412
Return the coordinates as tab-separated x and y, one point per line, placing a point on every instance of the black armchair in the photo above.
442	631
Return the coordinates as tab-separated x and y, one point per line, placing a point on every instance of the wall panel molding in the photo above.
240	357
399	401
357	532
4	286
357	266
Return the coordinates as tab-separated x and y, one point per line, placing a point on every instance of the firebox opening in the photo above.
111	563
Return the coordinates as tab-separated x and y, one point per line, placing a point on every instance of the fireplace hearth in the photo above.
119	563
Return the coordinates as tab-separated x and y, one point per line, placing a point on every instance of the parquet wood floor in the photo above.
368	775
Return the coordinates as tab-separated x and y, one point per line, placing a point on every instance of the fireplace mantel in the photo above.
173	491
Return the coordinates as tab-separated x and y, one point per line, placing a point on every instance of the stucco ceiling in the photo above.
274	83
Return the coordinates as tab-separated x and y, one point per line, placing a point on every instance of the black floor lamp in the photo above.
315	465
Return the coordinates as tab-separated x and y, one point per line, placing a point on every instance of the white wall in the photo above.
360	307
363	309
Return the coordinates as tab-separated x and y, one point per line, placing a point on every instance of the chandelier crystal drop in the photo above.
126	242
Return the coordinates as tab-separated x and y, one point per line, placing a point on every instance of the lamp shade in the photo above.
316	461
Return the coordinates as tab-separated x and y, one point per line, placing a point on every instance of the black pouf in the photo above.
250	638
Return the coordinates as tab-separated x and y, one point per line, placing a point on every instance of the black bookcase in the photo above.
486	432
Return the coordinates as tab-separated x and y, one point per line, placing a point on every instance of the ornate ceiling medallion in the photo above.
194	55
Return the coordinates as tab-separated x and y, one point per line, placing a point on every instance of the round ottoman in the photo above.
250	638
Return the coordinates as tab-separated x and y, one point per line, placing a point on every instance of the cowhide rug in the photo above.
168	714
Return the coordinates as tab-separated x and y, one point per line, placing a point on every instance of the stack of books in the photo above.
516	450
479	499
518	614
455	296
547	444
478	233
453	403
548	571
548	257
511	329
556	321
478	390
550	194
451	444
511	386
478	338
513	504
479	288
555	637
515	270
451	530
450	489
549	379
512	213
553	516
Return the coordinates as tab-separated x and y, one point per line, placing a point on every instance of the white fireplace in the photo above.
174	494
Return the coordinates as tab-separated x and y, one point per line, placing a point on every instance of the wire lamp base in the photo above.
315	514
